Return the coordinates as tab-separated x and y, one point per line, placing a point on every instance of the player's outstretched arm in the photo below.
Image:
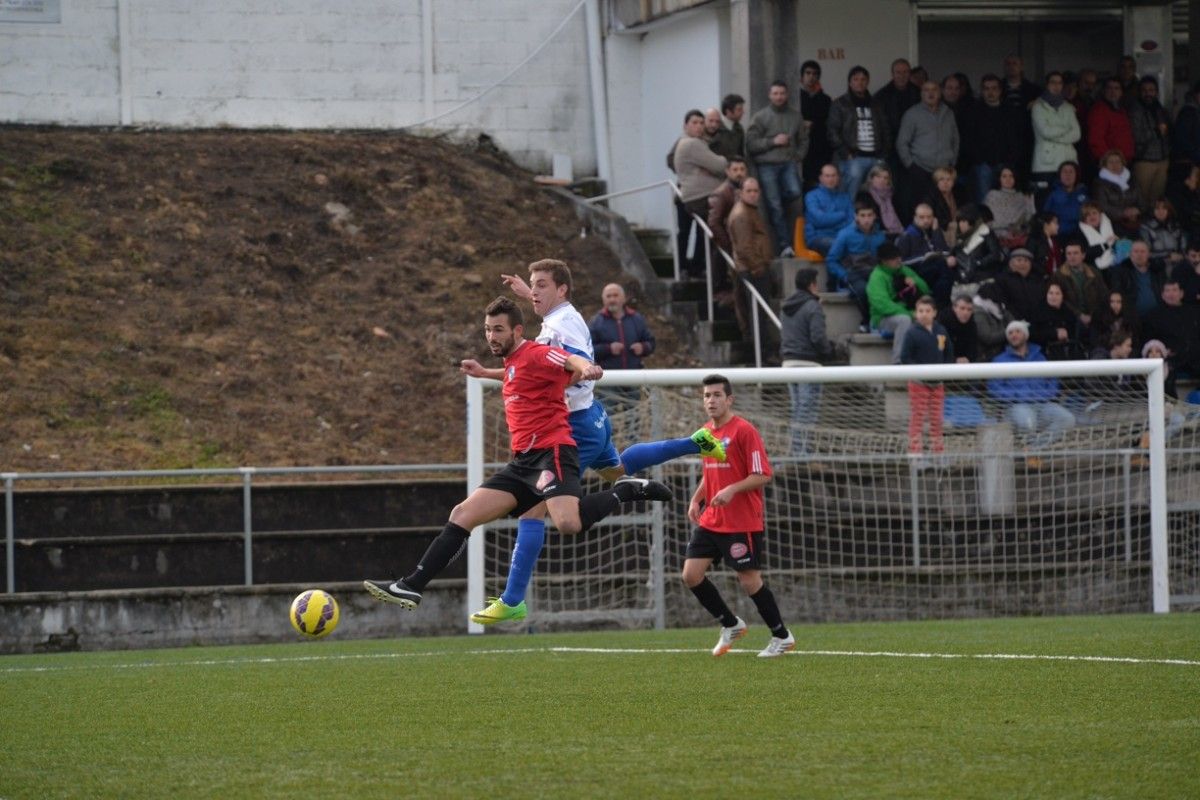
582	369
469	366
518	285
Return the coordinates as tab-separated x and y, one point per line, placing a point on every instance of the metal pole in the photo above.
1158	493
599	96
10	572
757	341
914	484
708	276
475	544
674	231
247	526
658	533
1128	509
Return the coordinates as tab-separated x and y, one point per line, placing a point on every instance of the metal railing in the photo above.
246	474
709	244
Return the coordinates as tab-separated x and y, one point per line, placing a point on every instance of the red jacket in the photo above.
1108	128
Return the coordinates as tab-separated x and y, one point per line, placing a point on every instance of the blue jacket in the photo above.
1022	390
1065	205
826	213
852	242
631	328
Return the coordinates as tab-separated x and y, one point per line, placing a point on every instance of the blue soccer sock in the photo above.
531	535
638	457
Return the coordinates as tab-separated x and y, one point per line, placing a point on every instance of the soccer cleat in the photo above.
729	636
498	611
396	591
709	445
646	489
777	647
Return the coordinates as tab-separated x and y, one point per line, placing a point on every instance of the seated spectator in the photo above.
1055	328
1055	131
620	336
946	199
1021	289
1118	345
926	342
1114	318
1178	327
1011	207
924	249
1066	199
1187	275
892	292
879	187
852	257
1184	194
959	322
1164	235
1156	349
1101	240
978	251
804	343
1140	280
826	211
1029	403
1043	243
1114	191
1085	290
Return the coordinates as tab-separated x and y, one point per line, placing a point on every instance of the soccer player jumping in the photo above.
730	524
545	464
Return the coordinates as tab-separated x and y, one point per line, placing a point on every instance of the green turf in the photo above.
449	717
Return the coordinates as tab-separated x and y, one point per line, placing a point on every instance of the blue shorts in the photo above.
592	430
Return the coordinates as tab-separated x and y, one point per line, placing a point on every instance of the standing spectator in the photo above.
978	253
1164	235
892	292
1185	137
1043	243
927	342
620	335
826	211
1029	402
1055	327
879	187
814	108
733	107
852	256
778	142
1115	191
928	139
858	130
956	97
1187	275
945	200
720	139
1178	327
1127	77
923	248
700	172
804	343
1012	208
1108	126
1101	240
1114	318
1019	94
1140	280
993	136
1055	132
918	76
959	322
1085	290
752	260
722	200
1083	101
1021	289
1151	142
895	99
1066	199
1184	195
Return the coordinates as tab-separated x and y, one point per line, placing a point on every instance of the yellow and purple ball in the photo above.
314	613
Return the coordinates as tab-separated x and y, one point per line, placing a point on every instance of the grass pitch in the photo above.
921	710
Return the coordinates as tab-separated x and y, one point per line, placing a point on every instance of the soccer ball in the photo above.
314	613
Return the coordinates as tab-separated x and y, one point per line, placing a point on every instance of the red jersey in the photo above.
535	377
744	455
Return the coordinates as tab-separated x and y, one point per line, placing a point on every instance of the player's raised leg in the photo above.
644	455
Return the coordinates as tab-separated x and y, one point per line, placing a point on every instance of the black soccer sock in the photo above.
710	597
598	505
768	609
441	551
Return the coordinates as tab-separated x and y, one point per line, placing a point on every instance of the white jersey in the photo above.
564	327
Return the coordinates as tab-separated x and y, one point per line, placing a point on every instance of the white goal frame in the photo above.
1151	369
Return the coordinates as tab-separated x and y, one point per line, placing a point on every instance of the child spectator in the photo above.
892	291
926	342
852	256
1043	243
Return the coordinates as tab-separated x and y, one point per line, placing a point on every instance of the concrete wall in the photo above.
267	63
839	34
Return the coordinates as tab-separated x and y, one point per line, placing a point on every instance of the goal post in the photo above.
1059	506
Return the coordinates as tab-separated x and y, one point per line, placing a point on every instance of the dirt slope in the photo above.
180	299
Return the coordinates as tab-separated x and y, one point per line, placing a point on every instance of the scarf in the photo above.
1121	180
976	237
887	211
816	88
1053	100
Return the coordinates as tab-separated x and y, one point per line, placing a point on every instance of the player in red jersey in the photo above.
545	463
727	508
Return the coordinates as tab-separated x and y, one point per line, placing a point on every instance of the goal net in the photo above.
1053	488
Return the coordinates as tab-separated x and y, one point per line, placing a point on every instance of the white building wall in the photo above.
842	33
285	63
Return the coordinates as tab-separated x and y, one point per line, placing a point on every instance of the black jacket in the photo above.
1023	296
965	338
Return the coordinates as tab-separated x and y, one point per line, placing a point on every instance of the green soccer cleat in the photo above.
709	445
497	611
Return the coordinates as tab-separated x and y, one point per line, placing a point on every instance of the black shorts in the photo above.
537	475
741	551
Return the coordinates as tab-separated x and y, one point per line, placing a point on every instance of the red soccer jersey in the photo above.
535	377
745	455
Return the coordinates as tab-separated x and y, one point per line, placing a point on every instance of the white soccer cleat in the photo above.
777	647
729	636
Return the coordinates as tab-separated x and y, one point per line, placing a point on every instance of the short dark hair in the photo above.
1051	74
1112	79
692	112
714	379
1118	336
779	83
810	64
925	300
887	252
990	77
506	306
1149	79
857	68
903	61
1073	242
807	277
560	273
863	201
736	160
730	102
